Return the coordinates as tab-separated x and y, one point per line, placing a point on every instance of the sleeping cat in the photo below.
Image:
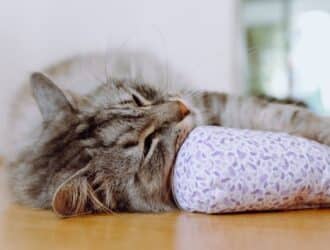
111	146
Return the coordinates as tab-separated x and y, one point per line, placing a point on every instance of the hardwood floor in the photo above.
28	229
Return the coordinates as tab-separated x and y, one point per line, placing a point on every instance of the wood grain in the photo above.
30	229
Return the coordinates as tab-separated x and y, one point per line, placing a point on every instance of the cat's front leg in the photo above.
257	113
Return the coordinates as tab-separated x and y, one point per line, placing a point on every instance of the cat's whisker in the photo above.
106	64
164	43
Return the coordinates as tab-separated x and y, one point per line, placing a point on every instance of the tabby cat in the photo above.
111	147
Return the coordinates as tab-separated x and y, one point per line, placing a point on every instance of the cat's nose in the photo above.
184	111
168	112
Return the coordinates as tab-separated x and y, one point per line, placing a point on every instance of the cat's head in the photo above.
110	151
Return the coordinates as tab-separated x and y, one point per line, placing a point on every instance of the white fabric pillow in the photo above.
222	170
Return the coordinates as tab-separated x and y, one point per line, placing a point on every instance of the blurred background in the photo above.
274	47
287	44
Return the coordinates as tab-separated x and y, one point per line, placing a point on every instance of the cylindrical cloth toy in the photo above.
223	170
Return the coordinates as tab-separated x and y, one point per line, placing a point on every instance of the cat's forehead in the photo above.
108	95
121	91
108	125
149	92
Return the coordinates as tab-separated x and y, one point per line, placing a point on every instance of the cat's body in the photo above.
112	147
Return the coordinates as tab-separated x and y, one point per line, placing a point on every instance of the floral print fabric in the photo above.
223	170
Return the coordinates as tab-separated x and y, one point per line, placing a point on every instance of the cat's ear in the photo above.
71	198
50	98
76	197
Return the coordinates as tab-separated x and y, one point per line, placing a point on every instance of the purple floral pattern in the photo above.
223	170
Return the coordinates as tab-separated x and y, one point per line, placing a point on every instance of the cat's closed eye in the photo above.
138	101
147	144
130	144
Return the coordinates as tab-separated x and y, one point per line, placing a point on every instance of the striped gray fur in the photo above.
111	146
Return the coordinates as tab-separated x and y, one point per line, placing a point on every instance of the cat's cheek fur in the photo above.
139	203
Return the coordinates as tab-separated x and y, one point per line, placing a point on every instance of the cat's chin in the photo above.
183	130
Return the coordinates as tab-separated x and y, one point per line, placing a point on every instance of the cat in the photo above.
111	147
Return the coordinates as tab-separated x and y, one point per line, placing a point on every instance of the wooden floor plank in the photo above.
29	229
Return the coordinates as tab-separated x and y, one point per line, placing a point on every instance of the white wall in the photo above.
197	37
